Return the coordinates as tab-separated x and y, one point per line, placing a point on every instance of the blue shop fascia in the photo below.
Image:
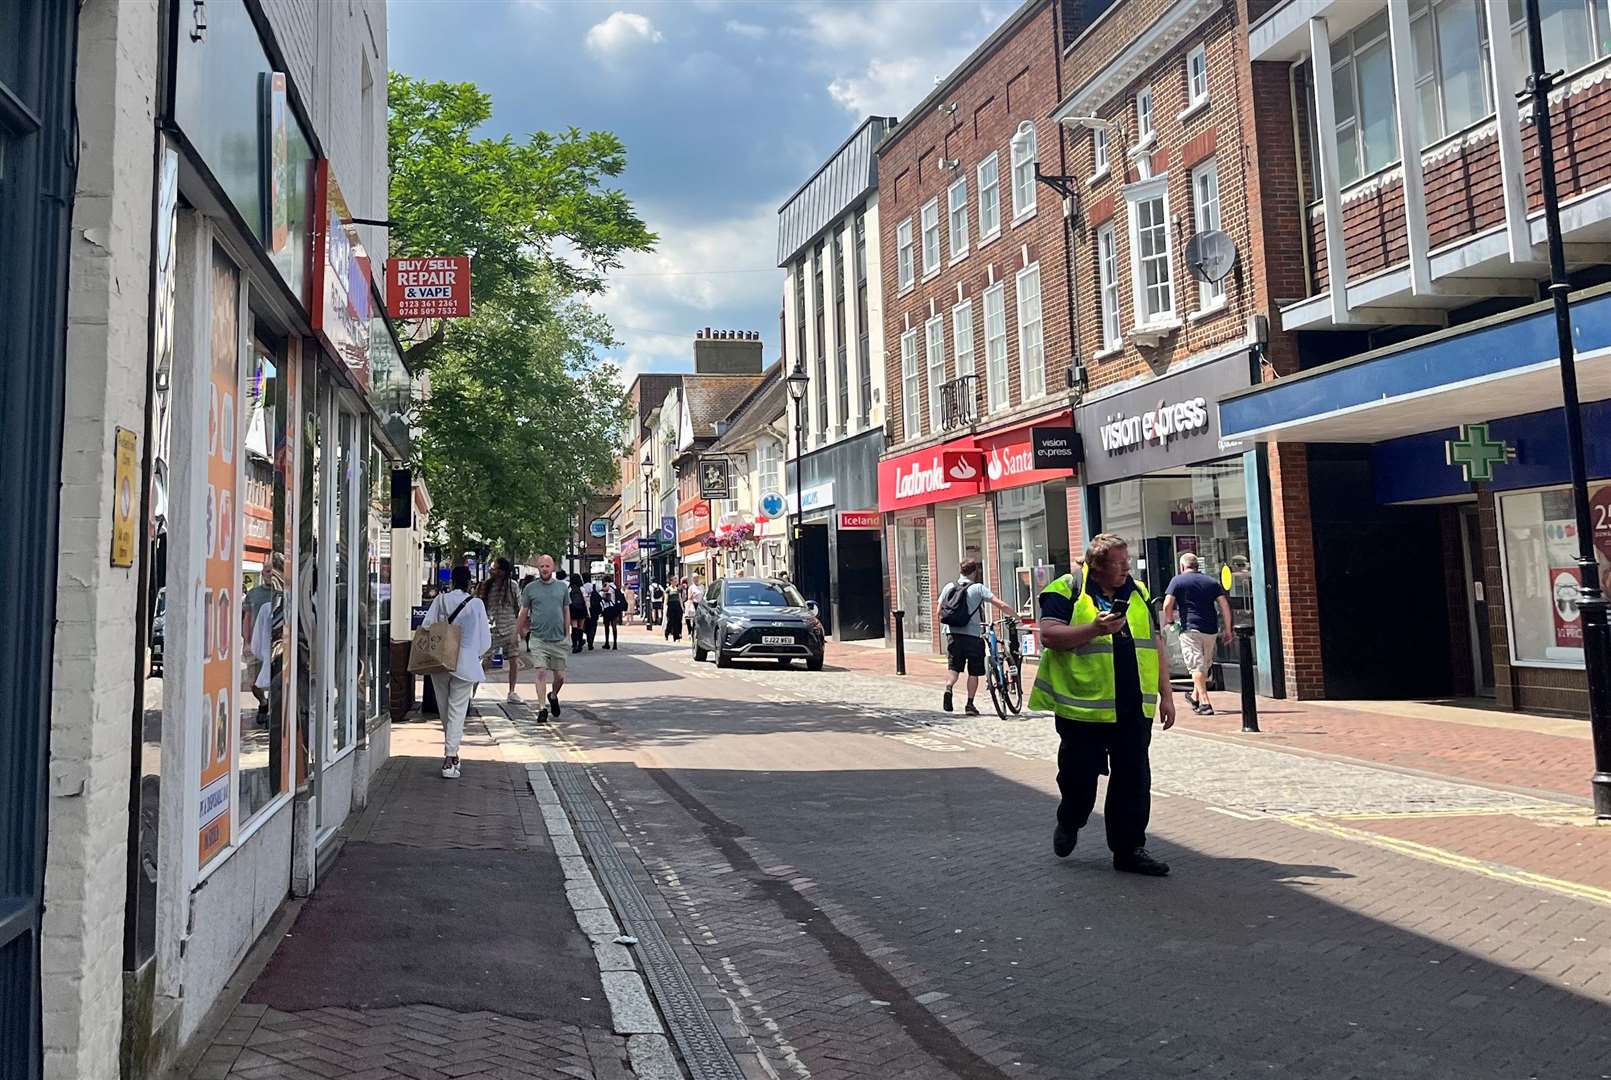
1444	533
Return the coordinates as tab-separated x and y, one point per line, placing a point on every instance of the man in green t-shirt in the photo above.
545	623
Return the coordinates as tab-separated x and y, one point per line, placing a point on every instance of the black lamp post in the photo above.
1591	602
797	382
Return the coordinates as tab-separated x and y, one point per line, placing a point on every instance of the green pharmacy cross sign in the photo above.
1477	454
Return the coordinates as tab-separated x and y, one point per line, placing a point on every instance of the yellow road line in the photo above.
1535	810
1427	853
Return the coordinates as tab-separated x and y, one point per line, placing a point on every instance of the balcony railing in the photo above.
959	402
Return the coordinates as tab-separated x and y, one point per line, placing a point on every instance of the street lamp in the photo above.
1591	600
797	382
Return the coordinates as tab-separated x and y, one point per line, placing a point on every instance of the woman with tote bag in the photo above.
455	688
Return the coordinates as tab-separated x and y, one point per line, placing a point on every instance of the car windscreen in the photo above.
749	594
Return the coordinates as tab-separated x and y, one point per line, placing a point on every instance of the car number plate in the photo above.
777	639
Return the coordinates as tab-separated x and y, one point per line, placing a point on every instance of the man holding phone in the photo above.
1100	677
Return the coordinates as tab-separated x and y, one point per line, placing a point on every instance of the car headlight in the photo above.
735	626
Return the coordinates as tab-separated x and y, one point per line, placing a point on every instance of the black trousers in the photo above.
592	629
612	636
578	632
1084	750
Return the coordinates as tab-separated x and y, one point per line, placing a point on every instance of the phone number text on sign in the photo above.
437	287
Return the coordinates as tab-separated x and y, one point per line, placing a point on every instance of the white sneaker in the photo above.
450	772
513	698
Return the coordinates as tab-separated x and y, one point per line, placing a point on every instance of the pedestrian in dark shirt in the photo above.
1199	602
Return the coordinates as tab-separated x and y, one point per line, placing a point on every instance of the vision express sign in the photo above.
1163	423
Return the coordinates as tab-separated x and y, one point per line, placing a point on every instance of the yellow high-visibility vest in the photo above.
1078	684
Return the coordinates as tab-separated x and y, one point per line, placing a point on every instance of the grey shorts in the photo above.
549	655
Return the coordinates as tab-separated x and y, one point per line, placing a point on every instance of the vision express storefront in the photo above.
1156	474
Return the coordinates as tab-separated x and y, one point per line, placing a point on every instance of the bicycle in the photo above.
1004	668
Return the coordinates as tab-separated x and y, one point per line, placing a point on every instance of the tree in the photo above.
523	419
533	216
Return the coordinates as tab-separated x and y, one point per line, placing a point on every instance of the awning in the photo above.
1501	366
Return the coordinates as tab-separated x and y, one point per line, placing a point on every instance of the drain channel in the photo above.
703	1049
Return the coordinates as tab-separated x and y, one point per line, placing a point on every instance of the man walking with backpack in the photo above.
961	611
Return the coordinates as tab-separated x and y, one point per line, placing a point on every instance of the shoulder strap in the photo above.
460	608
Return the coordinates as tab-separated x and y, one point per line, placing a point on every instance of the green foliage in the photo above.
523	420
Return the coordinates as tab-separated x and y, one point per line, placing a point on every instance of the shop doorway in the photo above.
1482	652
813	575
960	534
914	586
861	584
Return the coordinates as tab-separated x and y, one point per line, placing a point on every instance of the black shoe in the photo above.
1063	842
1139	862
971	709
553	703
945	702
1190	700
542	715
1203	708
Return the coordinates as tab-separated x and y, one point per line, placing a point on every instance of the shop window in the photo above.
1541	572
1031	334
343	721
915	585
989	198
995	316
1031	542
957	207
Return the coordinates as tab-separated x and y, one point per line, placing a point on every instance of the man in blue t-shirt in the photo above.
1199	602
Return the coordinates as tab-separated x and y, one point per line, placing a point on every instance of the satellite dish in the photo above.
1210	255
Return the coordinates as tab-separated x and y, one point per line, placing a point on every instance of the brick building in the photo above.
1428	393
977	323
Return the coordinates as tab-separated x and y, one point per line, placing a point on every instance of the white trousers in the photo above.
453	696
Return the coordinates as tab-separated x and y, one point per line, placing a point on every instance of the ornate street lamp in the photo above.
797	382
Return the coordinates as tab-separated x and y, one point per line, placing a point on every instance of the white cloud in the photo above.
657	301
886	87
620	33
754	31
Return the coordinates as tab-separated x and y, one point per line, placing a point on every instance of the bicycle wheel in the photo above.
995	678
1013	684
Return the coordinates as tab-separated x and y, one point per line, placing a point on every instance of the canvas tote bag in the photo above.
435	650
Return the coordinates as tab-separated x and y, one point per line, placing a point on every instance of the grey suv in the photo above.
757	619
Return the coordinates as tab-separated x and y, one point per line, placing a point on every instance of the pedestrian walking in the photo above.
578	604
961	612
594	591
612	606
545	623
696	593
502	600
674	607
454	689
1099	675
657	602
1204	613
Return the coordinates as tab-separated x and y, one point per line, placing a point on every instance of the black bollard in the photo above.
900	642
1250	705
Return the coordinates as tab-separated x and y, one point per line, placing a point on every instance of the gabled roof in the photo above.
764	404
711	398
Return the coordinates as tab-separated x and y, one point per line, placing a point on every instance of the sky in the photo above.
726	107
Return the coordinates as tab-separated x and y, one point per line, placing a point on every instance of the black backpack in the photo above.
954	610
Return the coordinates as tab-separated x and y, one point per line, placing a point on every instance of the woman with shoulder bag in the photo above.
502	601
455	689
612	605
578	613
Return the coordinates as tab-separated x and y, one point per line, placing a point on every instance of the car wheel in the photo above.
722	659
699	654
814	663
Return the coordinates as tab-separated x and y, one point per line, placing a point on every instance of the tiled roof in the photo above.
714	397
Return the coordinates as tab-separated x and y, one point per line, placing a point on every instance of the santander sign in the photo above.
962	468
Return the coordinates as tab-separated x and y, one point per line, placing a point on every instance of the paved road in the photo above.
870	882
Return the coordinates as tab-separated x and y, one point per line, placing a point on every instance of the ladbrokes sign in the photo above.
965	467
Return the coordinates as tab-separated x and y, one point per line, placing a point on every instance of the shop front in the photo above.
841	551
978	498
693	525
1157	474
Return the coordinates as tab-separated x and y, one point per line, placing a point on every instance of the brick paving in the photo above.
440	945
1570	848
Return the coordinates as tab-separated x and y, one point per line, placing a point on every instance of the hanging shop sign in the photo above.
279	186
433	287
342	279
668	528
1055	447
600	527
860	519
772	505
715	478
123	478
1476	454
1164	423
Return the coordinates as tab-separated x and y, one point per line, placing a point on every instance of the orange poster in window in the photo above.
221	578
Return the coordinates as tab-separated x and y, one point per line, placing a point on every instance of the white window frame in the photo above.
1107	261
1155	189
1023	172
1146	122
911	392
962	351
1196	80
998	373
956	201
989	199
905	256
1031	334
930	220
1206	215
934	357
1099	153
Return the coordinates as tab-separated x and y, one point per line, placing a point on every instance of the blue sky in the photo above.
726	107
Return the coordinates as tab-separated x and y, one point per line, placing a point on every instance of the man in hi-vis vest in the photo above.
1103	674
